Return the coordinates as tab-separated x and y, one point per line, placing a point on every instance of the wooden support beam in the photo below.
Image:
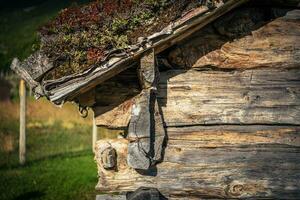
258	96
140	129
94	134
22	137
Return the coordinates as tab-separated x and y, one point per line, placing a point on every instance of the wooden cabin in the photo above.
208	108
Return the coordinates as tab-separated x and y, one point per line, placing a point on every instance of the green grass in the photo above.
59	157
19	22
69	176
59	160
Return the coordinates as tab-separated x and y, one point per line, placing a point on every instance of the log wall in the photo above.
232	121
216	162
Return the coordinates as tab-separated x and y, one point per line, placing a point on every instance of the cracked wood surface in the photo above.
215	162
258	96
145	131
261	96
274	45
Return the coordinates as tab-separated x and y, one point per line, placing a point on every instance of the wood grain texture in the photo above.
216	162
274	45
236	97
258	96
114	99
116	117
248	37
140	126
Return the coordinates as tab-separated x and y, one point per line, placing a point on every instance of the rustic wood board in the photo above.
216	162
262	96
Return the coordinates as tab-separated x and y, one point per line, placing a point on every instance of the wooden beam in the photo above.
232	162
274	45
22	137
94	134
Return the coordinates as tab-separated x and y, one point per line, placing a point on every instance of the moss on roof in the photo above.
80	37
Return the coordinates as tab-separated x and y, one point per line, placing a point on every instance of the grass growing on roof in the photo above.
81	37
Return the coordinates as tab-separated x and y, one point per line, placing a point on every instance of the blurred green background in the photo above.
19	20
60	162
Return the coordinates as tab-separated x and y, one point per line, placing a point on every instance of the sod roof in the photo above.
84	46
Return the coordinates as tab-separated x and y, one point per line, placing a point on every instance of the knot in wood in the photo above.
236	190
109	158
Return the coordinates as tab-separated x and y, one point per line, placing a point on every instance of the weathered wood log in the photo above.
265	47
235	97
273	45
140	128
206	162
260	96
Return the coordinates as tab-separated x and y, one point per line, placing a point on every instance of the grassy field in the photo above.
60	161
